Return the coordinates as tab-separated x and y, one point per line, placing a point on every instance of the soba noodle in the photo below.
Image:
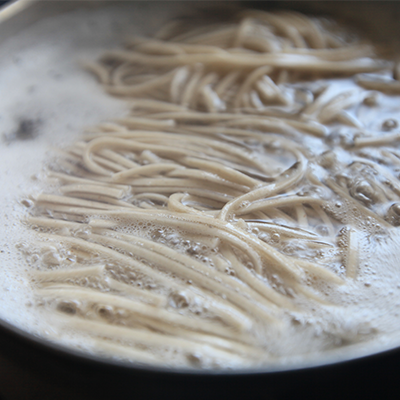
230	204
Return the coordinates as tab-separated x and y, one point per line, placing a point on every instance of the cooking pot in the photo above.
32	367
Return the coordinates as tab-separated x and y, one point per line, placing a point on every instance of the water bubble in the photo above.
322	230
393	215
371	99
389	124
195	359
121	313
363	191
179	300
105	311
68	307
72	258
244	204
83	233
51	257
249	265
194	250
27	203
23	247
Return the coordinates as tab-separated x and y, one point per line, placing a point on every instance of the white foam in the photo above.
45	90
46	85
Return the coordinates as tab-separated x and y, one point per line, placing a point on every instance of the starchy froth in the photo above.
243	213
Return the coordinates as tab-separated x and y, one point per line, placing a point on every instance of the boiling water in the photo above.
56	100
50	100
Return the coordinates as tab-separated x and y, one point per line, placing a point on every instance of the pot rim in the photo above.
316	363
310	363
